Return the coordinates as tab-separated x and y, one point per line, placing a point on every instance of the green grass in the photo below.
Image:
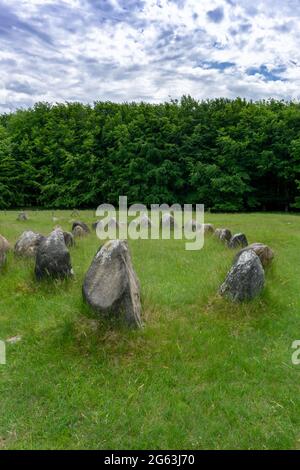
203	373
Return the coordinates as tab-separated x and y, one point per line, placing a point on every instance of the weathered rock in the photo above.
238	240
111	286
4	248
143	221
168	220
110	223
74	213
224	234
193	225
264	252
208	228
78	223
53	257
4	244
79	232
22	216
69	239
28	243
246	278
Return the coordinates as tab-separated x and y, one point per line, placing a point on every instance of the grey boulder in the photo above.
168	220
84	226
111	286
53	257
28	243
208	228
264	252
22	216
238	240
69	239
246	278
224	234
4	248
193	226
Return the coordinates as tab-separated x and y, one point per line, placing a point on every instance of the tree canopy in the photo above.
231	155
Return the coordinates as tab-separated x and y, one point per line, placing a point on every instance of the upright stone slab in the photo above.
69	239
53	257
224	234
22	216
111	286
208	228
78	223
193	226
79	232
264	252
28	243
4	248
167	221
238	240
246	278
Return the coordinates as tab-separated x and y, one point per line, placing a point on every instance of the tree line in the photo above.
231	155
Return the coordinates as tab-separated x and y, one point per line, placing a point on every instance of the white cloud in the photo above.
147	50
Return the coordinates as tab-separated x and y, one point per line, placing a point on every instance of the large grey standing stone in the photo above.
224	234
246	278
264	252
28	243
4	248
22	216
78	223
53	257
168	220
111	286
238	240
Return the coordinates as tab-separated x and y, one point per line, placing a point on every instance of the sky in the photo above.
147	50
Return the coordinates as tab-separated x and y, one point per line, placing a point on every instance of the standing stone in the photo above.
111	286
238	240
264	252
74	213
69	239
143	222
53	257
79	232
110	223
4	248
28	243
78	223
246	278
167	221
22	216
224	234
193	225
4	244
208	228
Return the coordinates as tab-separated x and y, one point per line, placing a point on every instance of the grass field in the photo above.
203	373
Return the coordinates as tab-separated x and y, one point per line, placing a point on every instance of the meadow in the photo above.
203	373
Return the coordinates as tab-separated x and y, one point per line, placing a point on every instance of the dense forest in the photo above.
231	155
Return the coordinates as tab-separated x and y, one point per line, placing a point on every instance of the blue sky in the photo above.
151	50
